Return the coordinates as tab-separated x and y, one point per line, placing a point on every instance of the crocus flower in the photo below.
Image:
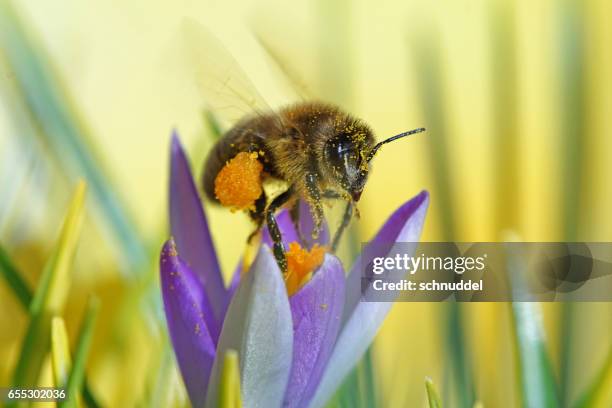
293	351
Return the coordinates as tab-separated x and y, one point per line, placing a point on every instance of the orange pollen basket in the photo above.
238	184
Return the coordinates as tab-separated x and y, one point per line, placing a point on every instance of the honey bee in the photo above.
320	152
317	151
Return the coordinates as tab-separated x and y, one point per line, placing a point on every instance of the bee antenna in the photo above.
392	138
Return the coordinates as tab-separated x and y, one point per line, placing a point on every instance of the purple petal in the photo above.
258	325
190	231
186	313
289	233
361	320
316	309
404	225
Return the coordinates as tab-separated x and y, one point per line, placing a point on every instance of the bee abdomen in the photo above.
241	138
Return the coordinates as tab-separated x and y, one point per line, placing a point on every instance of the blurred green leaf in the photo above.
60	352
573	100
574	138
77	374
52	109
368	380
25	297
14	279
229	394
359	387
537	381
432	394
53	288
50	295
213	124
347	393
89	397
60	355
457	353
566	341
159	378
592	396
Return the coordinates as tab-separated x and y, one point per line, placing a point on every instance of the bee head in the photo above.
349	153
346	156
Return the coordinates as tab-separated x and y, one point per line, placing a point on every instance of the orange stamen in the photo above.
300	265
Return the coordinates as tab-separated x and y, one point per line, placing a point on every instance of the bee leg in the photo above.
315	203
331	194
278	247
346	219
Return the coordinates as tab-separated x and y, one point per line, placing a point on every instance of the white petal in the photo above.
258	324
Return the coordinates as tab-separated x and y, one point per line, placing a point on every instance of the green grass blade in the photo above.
14	279
77	375
159	382
60	352
574	130
88	396
213	124
52	109
359	387
566	342
25	296
432	395
537	380
367	378
592	396
574	140
50	295
457	353
229	395
348	393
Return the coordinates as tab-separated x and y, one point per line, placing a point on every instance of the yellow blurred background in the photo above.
516	96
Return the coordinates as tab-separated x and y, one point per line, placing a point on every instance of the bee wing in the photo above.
297	85
224	86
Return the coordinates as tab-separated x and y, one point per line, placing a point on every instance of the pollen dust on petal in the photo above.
300	265
238	184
